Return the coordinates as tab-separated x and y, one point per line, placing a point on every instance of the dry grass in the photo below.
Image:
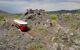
35	46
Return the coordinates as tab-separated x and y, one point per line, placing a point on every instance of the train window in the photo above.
24	24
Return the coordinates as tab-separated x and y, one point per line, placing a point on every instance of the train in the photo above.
20	24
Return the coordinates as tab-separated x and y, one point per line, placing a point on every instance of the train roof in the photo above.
20	21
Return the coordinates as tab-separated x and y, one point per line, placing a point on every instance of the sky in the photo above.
20	6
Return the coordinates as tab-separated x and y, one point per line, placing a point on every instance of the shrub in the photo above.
52	17
1	18
35	46
67	17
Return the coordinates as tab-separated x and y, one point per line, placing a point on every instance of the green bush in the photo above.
67	17
52	17
1	18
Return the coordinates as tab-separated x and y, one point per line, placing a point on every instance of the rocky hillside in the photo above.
47	32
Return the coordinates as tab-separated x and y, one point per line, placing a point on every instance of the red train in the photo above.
22	25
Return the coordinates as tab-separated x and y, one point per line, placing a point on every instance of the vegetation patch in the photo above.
42	29
1	18
35	46
16	17
53	17
67	17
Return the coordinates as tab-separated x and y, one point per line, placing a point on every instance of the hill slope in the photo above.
66	11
